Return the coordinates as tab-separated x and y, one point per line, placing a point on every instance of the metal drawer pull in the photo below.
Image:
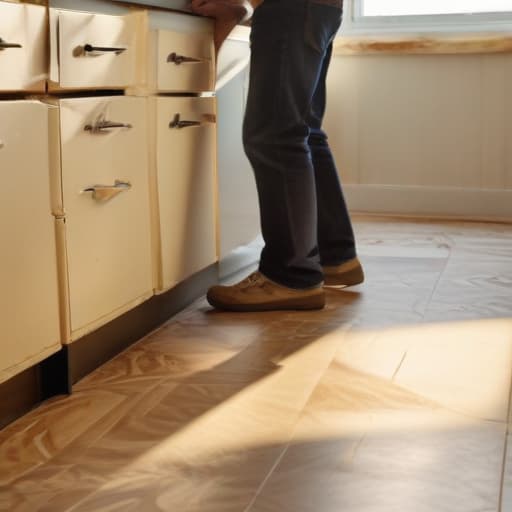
2	145
205	118
4	45
89	48
177	123
179	59
102	124
105	192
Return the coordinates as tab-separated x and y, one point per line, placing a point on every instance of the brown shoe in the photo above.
257	293
349	273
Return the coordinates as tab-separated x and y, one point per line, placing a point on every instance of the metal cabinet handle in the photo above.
205	118
2	145
179	59
102	124
177	123
89	48
106	192
4	45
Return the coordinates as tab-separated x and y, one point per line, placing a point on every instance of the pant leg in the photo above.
286	65
336	240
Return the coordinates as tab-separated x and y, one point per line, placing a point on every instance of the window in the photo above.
427	15
432	7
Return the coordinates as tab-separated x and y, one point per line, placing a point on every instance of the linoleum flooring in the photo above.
394	398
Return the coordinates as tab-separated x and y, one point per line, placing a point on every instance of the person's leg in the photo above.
335	234
289	41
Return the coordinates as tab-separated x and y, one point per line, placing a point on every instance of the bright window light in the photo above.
433	7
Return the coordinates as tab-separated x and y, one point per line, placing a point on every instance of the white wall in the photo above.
238	201
423	134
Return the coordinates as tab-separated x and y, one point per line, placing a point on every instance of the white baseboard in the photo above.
242	257
475	204
433	202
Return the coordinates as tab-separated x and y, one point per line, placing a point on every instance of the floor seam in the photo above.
399	366
436	284
292	435
505	450
267	478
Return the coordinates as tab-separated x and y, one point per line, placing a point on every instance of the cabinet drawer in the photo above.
185	187
23	47
29	300
106	202
184	61
93	50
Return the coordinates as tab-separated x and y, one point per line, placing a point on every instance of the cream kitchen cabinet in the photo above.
105	203
180	53
107	197
23	48
181	62
95	51
29	294
184	187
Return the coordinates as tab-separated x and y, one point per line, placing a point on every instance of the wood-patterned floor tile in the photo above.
46	432
482	244
463	366
430	464
397	285
472	289
202	433
377	352
379	402
506	494
506	498
364	443
198	345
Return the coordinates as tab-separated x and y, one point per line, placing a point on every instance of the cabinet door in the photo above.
93	50
185	61
22	47
106	202
29	303
186	186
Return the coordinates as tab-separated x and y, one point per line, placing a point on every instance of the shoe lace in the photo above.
250	280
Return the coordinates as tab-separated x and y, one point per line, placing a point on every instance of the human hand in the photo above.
227	14
232	10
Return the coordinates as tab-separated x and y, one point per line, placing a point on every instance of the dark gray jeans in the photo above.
304	218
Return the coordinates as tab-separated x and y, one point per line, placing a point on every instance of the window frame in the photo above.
355	23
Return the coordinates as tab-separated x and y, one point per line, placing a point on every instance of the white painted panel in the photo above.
23	68
29	303
420	120
390	129
108	241
507	106
432	122
451	136
494	123
342	116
